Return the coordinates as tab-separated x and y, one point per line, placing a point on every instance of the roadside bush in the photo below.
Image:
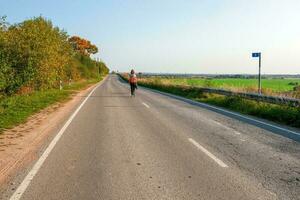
293	83
35	55
282	114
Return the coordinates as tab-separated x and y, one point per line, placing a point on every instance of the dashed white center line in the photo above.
237	133
226	127
217	160
145	105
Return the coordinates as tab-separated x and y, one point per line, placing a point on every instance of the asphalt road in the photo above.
156	147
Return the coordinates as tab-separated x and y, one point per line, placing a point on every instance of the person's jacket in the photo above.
132	78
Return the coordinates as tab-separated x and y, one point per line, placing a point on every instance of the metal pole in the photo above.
259	75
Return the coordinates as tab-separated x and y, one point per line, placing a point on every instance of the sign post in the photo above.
255	55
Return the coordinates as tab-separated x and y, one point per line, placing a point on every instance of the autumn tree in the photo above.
83	46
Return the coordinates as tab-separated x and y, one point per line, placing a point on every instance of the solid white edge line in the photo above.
251	119
217	160
146	105
23	186
223	110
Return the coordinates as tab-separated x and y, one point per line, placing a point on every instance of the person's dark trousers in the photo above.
132	88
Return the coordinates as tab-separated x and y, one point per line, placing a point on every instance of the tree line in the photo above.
36	55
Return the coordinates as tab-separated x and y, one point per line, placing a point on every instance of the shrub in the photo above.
35	54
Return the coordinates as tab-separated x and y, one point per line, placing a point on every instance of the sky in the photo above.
178	36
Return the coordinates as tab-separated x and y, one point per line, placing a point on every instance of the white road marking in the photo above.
23	186
251	119
226	127
236	132
219	124
225	111
217	160
248	118
146	105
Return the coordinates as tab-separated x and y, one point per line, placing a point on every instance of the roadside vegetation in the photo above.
15	109
278	113
41	64
270	86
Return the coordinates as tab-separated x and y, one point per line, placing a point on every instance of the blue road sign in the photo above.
254	55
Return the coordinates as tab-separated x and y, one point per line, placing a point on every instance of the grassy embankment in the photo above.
281	114
17	108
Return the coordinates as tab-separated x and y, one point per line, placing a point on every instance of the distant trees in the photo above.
84	48
37	55
103	69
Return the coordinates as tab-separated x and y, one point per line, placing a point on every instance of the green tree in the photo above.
38	52
6	73
35	54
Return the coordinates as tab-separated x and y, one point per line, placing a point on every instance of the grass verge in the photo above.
17	108
278	113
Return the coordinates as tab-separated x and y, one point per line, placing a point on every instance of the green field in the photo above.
276	85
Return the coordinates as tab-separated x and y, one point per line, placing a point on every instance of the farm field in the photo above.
274	85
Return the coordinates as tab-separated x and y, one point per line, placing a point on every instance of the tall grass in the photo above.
281	114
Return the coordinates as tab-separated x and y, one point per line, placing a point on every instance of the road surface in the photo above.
156	147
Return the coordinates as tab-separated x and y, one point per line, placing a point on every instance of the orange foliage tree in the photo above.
83	46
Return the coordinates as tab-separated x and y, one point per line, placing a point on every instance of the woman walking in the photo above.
132	82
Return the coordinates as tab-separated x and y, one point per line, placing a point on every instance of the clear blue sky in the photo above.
184	36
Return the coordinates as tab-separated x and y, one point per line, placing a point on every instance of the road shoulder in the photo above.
21	145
